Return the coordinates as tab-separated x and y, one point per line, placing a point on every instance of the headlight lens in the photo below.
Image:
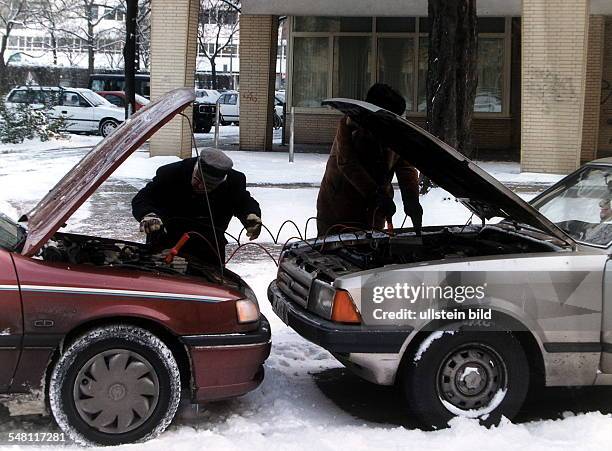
247	311
321	299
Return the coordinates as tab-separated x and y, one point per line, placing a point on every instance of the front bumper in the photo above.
336	337
228	365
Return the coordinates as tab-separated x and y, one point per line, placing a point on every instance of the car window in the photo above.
73	99
19	96
581	205
222	99
12	235
232	99
114	99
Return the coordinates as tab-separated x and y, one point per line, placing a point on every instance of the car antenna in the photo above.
212	221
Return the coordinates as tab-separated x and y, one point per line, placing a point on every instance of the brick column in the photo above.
258	46
592	98
553	83
605	120
174	37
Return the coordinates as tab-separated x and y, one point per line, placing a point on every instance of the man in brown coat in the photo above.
356	189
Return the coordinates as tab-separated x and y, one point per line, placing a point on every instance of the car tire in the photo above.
474	374
221	120
107	126
115	384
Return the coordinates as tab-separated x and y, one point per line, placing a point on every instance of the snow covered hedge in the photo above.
26	122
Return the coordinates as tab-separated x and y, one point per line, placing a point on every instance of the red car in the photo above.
106	332
117	98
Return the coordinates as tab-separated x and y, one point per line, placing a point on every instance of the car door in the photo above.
77	112
11	321
606	321
232	108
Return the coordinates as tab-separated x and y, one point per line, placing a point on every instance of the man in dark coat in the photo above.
356	189
176	201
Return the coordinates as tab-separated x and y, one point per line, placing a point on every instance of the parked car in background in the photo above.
116	82
203	116
229	103
82	109
109	333
206	95
117	98
464	318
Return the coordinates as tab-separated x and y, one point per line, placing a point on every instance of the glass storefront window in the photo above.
352	63
489	97
396	65
490	75
337	24
337	59
310	71
423	65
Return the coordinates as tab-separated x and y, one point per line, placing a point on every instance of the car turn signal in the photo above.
247	311
344	310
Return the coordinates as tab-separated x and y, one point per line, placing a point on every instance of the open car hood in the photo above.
481	193
83	179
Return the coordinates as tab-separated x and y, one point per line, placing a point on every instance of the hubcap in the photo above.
108	128
470	376
116	391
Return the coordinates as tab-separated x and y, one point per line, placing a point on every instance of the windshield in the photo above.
12	235
95	99
580	205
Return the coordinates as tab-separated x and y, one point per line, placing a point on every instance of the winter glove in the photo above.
151	223
385	205
415	211
253	226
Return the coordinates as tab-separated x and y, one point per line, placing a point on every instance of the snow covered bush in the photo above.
27	122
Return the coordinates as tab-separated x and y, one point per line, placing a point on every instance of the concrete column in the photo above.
258	46
174	37
554	37
592	98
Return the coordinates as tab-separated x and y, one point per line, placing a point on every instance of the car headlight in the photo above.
247	311
321	298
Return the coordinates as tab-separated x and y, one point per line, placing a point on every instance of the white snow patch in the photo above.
5	332
429	340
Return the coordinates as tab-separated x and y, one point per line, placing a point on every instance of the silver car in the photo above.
465	318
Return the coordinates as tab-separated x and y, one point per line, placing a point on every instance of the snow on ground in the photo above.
307	401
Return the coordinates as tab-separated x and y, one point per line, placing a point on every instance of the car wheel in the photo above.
115	384
466	373
221	120
107	126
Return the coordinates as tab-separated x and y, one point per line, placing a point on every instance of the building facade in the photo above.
545	70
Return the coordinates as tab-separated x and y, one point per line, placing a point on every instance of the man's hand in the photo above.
415	211
385	205
151	223
253	226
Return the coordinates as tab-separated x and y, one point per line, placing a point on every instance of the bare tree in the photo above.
83	22
49	15
218	24
13	13
143	33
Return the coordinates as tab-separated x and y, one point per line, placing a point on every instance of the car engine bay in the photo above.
346	254
88	250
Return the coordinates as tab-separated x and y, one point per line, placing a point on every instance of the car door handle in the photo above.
64	112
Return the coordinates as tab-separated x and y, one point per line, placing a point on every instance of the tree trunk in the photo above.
129	57
3	64
91	42
213	73
54	48
452	75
